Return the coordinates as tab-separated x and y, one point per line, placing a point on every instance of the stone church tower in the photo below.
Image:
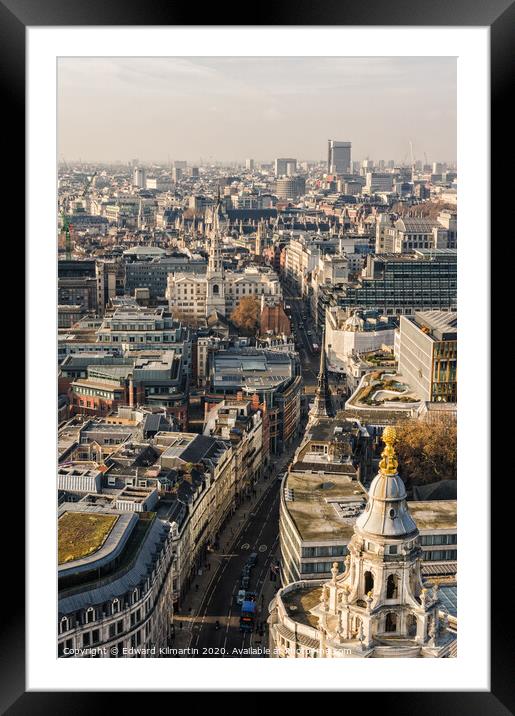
322	406
215	288
380	600
378	607
261	238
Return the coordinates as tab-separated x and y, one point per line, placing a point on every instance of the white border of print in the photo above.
471	669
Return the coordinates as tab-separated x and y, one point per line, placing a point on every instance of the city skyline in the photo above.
227	108
237	335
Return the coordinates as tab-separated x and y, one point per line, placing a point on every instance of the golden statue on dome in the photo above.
389	463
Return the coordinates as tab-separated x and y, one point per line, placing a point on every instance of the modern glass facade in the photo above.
399	284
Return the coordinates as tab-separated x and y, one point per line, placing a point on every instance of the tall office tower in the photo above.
338	157
138	177
291	167
285	165
249	164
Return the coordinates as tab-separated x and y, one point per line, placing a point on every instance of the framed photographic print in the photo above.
242	243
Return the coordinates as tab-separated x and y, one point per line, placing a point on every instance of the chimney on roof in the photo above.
131	391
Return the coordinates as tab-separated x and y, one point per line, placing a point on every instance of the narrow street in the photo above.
300	326
255	528
260	535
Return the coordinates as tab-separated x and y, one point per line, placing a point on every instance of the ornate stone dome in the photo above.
386	513
354	323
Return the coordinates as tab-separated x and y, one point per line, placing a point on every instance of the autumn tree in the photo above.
246	315
427	450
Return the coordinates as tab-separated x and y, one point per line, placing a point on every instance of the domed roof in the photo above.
354	323
386	513
391	488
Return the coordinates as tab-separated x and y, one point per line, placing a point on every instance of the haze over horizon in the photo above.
225	109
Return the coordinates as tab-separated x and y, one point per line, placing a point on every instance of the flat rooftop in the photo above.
299	602
443	325
434	514
80	534
265	369
137	555
317	505
113	384
326	504
66	437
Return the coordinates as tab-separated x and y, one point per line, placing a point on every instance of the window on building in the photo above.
391	622
392	586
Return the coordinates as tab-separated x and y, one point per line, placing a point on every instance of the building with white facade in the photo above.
354	332
117	600
302	255
237	422
426	349
412	232
377	182
193	297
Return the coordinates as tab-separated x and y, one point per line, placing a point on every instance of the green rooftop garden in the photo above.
381	387
81	533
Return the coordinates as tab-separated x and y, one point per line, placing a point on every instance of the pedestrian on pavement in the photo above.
196	587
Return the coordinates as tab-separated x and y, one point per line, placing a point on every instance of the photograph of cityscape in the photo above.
257	357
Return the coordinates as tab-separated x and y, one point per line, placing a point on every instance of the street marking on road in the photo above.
245	546
262	548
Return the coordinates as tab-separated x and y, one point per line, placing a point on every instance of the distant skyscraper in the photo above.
338	157
249	164
285	166
138	177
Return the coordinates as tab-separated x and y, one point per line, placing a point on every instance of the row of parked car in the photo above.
245	576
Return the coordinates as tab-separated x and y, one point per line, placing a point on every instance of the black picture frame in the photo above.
499	16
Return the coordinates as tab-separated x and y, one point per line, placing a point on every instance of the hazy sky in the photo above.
230	108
